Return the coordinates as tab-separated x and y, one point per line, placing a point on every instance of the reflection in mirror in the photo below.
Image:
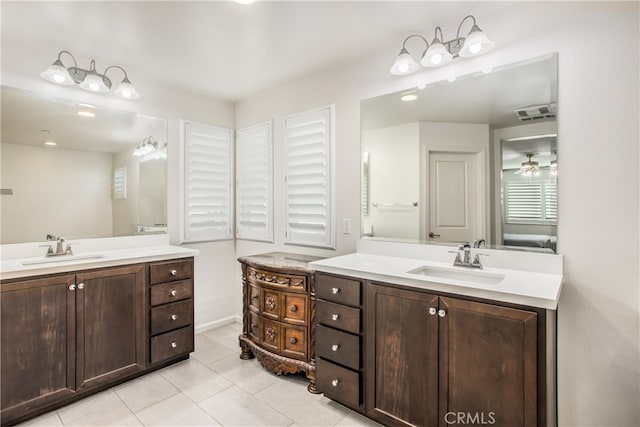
434	164
68	170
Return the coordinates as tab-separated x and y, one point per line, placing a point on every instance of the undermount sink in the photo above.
62	258
456	273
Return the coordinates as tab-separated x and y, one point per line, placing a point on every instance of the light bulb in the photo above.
403	68
475	48
436	59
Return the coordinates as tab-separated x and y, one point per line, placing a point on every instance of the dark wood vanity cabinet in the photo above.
67	336
431	358
278	307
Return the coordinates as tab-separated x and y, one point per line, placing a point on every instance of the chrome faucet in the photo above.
463	257
481	243
60	249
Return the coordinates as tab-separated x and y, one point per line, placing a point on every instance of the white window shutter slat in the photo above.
309	195
254	183
208	183
534	201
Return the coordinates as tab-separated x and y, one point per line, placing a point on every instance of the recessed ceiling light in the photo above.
50	143
86	105
86	114
422	86
409	97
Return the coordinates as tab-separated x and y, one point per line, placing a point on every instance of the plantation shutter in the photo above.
254	183
524	201
309	204
551	200
208	178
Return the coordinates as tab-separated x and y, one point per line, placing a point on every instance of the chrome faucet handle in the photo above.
49	249
68	250
476	260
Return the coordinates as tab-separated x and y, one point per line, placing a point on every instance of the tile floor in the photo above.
213	388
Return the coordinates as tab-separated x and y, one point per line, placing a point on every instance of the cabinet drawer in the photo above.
295	342
290	282
271	335
295	308
271	303
338	383
171	344
171	316
170	292
254	298
255	325
338	289
170	271
338	346
338	316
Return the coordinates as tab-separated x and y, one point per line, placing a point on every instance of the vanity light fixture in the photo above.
90	79
149	146
440	52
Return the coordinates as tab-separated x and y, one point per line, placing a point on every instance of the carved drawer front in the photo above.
271	303
338	316
171	271
337	289
171	344
171	292
271	335
337	346
338	383
171	316
255	325
254	298
291	282
295	308
295	342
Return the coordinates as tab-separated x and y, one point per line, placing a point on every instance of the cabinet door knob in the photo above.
174	293
72	287
174	344
174	272
174	316
335	290
432	311
80	285
293	308
335	347
335	383
293	340
442	313
335	316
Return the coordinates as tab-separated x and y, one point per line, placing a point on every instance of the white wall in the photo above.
598	315
215	270
394	177
49	183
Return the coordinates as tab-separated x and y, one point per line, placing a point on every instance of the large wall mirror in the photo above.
76	171
472	159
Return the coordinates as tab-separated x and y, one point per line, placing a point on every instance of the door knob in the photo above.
335	316
174	317
335	347
174	293
335	383
432	311
335	290
174	272
442	313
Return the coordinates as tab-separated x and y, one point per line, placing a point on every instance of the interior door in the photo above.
454	213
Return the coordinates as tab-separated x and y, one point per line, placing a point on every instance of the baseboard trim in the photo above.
217	323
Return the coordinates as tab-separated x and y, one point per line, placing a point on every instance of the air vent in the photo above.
536	112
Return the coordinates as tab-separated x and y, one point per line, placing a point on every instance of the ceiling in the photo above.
223	49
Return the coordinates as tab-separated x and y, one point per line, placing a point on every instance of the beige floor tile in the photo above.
246	374
236	407
87	406
291	398
115	413
145	391
209	350
195	380
356	420
177	410
49	419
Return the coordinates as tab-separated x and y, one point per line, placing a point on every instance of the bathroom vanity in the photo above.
73	327
416	341
278	298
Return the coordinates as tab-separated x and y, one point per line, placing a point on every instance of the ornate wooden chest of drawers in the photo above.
278	307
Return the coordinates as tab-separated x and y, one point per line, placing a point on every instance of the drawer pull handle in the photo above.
335	383
442	313
335	316
335	290
293	308
174	272
293	340
432	311
174	317
335	347
174	344
254	297
254	326
174	293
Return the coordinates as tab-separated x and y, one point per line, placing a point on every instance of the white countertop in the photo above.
33	266
519	287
